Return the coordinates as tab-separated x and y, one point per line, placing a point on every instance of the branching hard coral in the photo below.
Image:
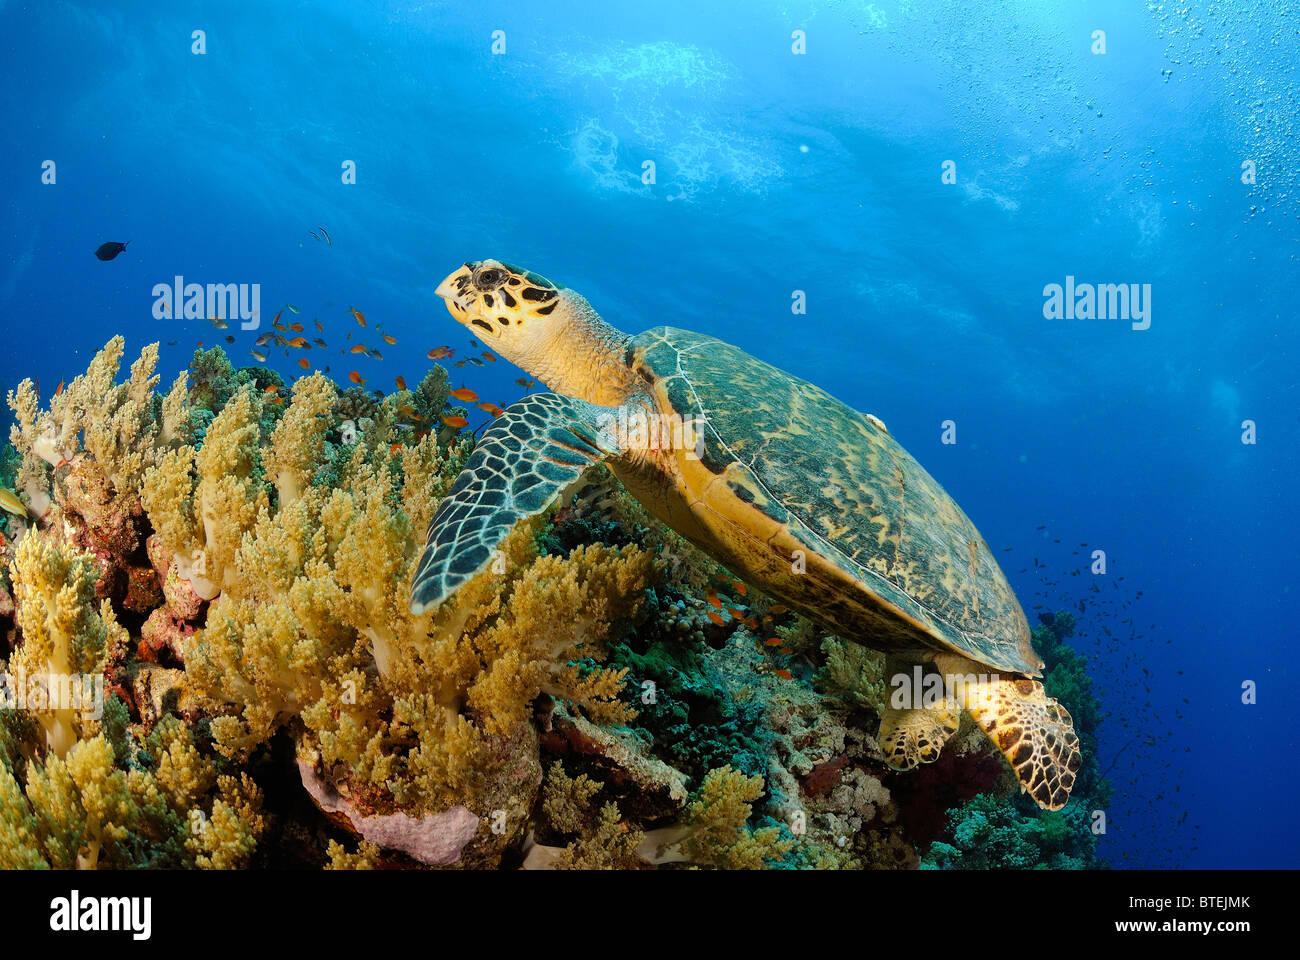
66	635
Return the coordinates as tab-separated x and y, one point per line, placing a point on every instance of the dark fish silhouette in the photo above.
107	251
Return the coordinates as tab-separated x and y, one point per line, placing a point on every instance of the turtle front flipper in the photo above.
1033	731
533	452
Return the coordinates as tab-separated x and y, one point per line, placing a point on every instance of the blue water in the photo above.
774	172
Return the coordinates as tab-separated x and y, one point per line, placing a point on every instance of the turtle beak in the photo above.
455	283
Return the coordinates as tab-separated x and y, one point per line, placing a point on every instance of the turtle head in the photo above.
512	307
540	326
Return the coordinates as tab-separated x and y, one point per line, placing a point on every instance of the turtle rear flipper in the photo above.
912	737
1033	731
536	450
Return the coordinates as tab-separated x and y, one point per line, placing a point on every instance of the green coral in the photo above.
995	833
693	720
213	380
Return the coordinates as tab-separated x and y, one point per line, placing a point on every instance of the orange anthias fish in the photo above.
491	408
356	378
300	342
296	327
389	339
778	608
774	642
319	327
401	383
359	348
361	317
714	601
466	394
440	353
717	619
304	363
489	356
59	389
526	384
456	422
740	588
784	674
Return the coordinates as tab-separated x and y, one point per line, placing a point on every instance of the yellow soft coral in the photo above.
313	623
122	435
117	424
33	476
714	830
202	502
298	442
83	811
66	635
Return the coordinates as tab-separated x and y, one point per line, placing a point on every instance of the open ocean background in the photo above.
774	173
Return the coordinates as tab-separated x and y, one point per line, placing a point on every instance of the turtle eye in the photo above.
488	279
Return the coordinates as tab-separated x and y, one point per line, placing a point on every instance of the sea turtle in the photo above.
783	484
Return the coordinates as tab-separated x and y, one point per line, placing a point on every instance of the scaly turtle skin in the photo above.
779	481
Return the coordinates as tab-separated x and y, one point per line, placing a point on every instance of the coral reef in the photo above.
219	576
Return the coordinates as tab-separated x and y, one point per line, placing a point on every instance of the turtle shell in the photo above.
888	559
